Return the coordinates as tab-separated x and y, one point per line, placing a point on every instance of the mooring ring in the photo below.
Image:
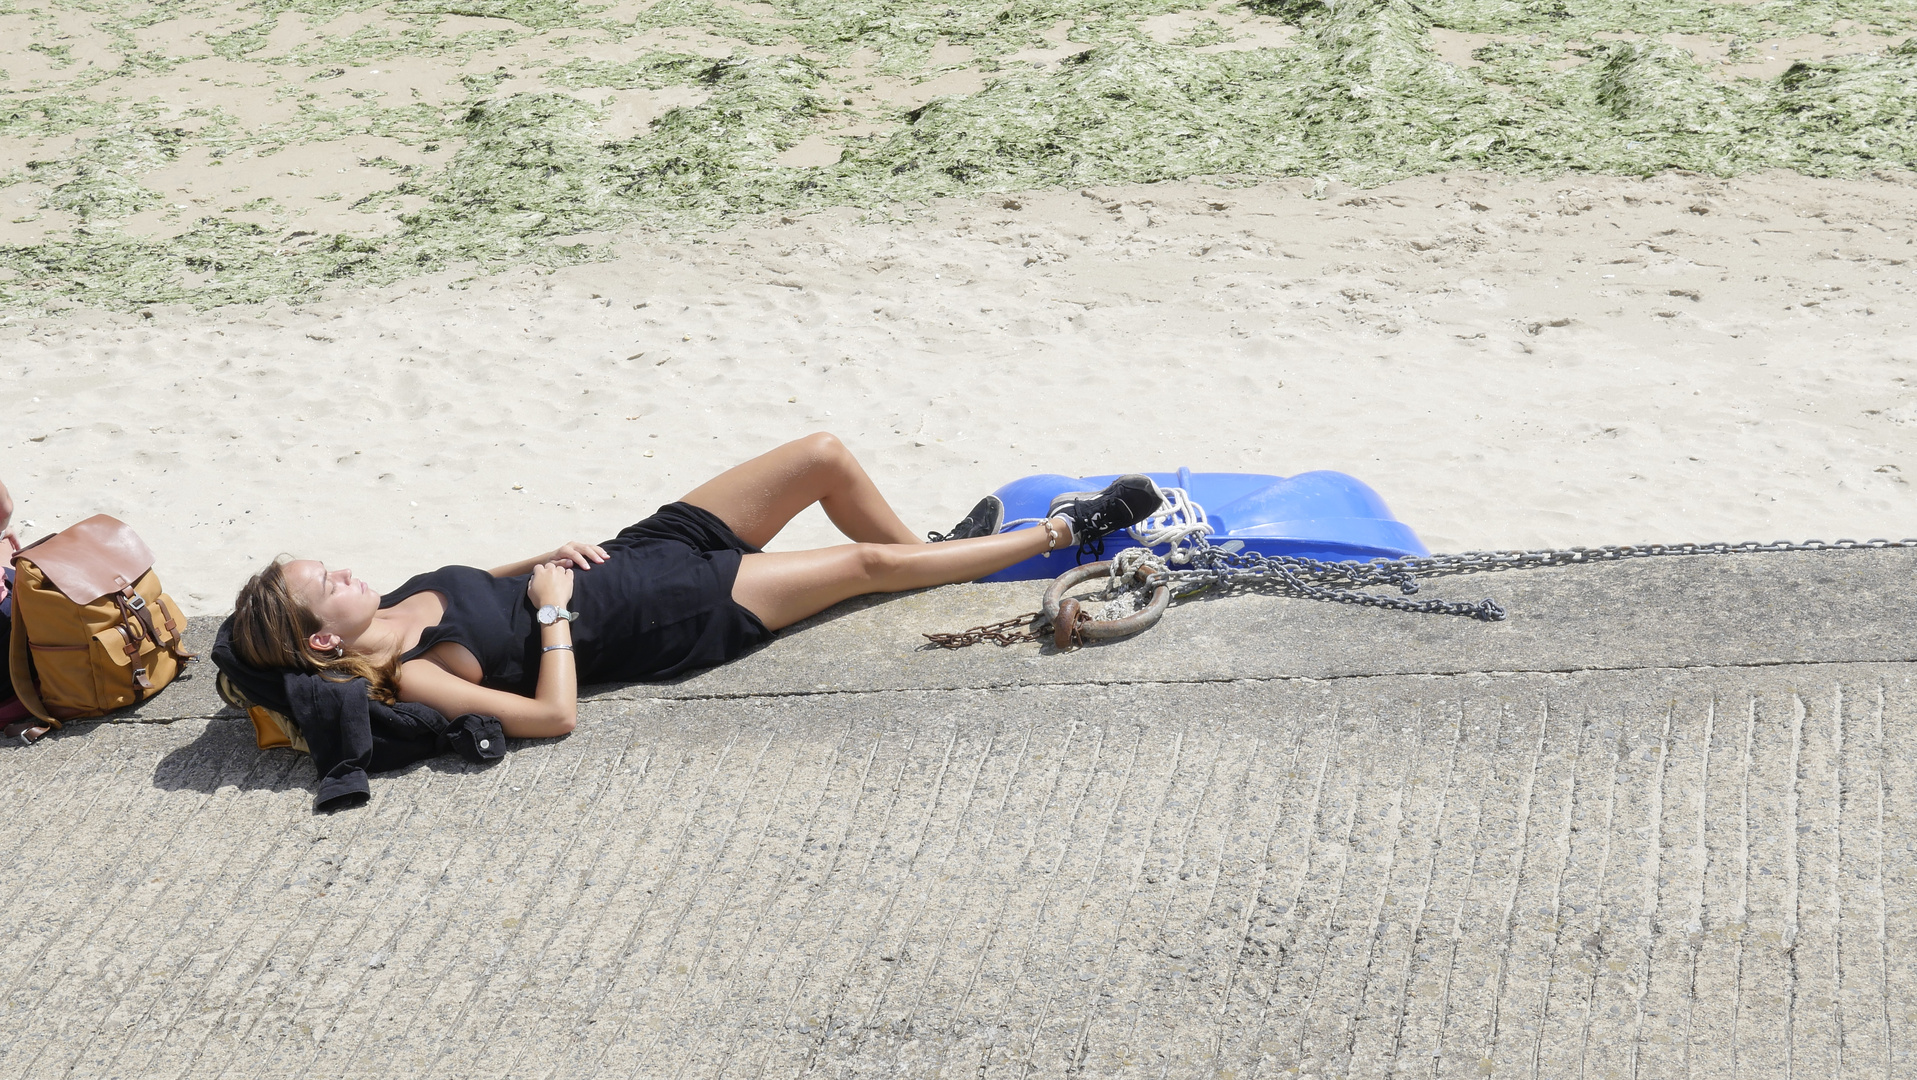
1085	628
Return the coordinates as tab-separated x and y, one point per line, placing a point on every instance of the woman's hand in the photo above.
7	532
551	584
578	555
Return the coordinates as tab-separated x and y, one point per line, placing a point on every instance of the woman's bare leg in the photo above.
782	587
757	499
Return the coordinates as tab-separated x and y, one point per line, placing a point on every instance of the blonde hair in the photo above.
272	630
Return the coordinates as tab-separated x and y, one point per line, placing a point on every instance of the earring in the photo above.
339	652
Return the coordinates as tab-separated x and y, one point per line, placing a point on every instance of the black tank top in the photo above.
489	616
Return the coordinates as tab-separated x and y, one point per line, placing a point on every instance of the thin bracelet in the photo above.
550	648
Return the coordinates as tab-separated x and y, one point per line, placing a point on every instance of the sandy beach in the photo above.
444	356
1509	362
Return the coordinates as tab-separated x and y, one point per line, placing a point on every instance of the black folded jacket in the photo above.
348	733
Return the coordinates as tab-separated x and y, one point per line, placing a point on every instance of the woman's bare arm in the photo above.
521	567
554	707
573	555
552	712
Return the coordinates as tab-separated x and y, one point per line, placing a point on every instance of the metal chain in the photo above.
1481	561
1202	565
1336	582
998	633
1312	579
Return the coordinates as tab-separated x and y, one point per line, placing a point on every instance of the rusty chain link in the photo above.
998	633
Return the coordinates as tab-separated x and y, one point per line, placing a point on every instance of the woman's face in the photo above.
344	604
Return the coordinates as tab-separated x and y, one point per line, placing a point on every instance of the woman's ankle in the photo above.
1061	527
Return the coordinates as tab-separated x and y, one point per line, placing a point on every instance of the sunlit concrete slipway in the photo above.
1657	823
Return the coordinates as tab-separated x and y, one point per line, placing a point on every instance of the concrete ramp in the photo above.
1271	838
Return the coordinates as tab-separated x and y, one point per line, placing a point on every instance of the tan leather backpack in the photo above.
270	729
92	632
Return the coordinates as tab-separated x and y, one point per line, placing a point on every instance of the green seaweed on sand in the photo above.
1359	92
707	160
530	164
100	181
1362	96
29	115
1584	20
1363	99
1847	114
371	45
532	14
711	18
421	36
651	70
1207	32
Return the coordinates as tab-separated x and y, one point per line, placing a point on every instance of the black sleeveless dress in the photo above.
660	605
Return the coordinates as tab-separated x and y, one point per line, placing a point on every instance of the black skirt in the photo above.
661	604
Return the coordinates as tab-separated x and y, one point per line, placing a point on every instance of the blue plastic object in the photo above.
1316	515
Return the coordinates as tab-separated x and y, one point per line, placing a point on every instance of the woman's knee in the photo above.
823	447
877	564
829	466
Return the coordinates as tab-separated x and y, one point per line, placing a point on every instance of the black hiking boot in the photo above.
1095	515
984	520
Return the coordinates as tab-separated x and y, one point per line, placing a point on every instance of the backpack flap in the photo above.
87	561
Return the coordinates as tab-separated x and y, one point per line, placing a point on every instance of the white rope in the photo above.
1180	522
1127	562
1120	582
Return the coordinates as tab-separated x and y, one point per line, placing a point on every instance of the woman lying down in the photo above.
684	589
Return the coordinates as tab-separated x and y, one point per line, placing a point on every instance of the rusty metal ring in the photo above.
1066	625
1083	628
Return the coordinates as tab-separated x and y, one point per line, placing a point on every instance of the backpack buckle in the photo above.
135	602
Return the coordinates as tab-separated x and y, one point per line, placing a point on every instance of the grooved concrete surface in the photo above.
1145	868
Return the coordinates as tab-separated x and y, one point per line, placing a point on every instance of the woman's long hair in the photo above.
272	630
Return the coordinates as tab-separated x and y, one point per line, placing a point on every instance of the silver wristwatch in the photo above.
549	615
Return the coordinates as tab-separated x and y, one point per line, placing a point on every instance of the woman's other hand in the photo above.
551	584
7	532
578	555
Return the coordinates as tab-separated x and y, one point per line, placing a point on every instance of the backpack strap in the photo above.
135	614
20	663
176	641
135	610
